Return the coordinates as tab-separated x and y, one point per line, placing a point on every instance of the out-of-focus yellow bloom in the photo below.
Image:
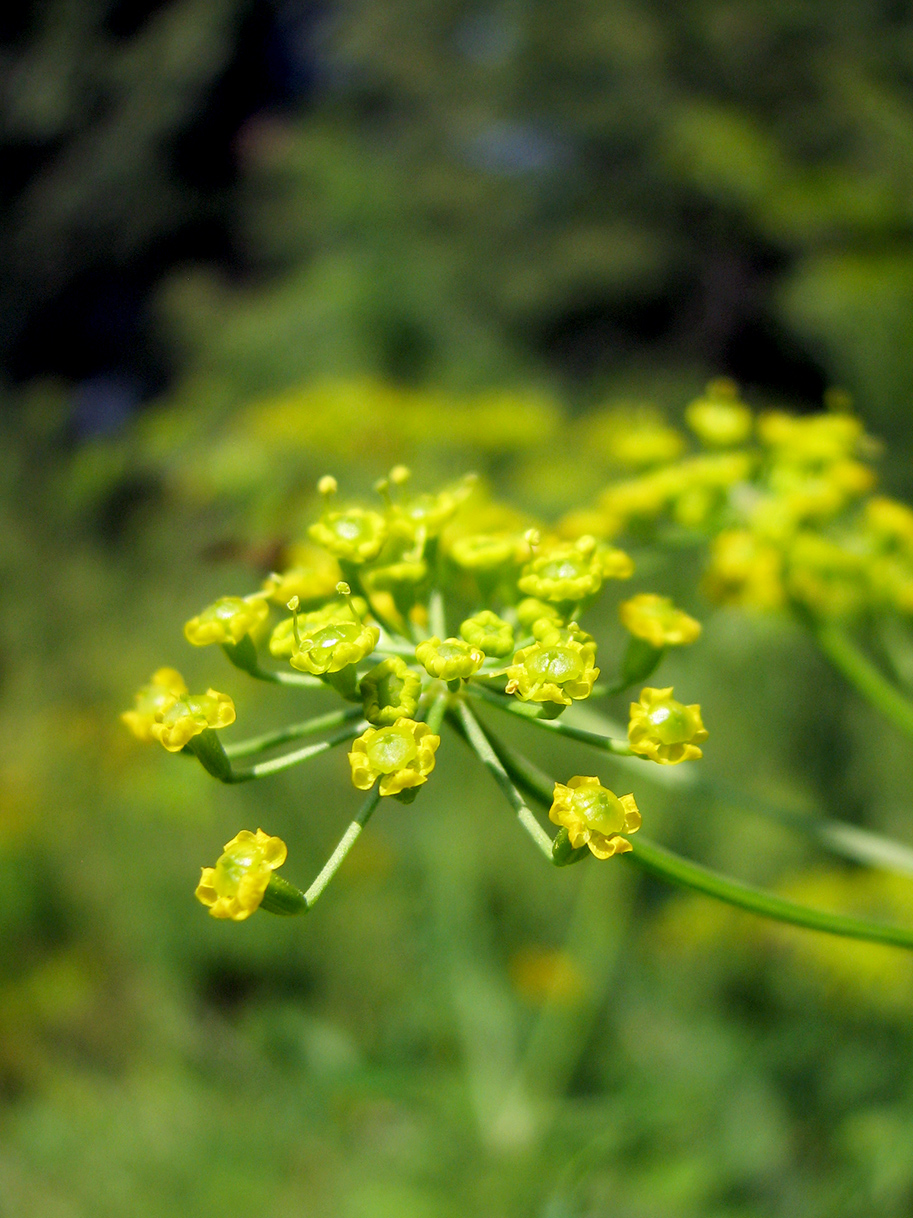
744	571
548	975
404	575
180	719
553	673
421	517
165	687
831	579
234	888
817	439
631	435
227	620
401	756
594	816
450	660
484	551
719	418
614	563
356	535
665	730
312	575
490	633
656	620
564	572
390	691
890	521
333	647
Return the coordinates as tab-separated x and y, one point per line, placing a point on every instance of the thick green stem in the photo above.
862	673
471	730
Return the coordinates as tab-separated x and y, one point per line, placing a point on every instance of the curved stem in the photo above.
346	842
525	710
859	670
259	744
472	731
685	874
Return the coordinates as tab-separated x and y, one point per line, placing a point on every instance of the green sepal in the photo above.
283	898
550	710
640	660
243	654
345	682
407	795
207	747
563	853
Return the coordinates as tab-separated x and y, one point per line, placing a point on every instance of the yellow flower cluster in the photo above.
371	593
786	502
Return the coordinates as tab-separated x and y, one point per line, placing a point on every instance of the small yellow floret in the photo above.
594	816
656	620
227	620
664	730
234	888
165	687
177	722
553	671
401	756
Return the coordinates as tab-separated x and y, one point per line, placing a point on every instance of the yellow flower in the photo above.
565	572
719	418
656	620
227	620
180	719
664	730
490	633
165	687
282	641
594	816
234	888
744	571
332	647
450	659
531	610
553	672
402	756
355	535
390	691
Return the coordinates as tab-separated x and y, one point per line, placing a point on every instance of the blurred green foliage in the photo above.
483	196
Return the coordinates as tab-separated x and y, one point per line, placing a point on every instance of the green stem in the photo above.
437	619
862	673
259	744
680	871
525	710
244	656
287	760
346	842
471	730
437	710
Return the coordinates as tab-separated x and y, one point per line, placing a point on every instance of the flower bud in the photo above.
664	730
235	887
401	756
593	816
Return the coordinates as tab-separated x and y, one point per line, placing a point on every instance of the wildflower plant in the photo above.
445	612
